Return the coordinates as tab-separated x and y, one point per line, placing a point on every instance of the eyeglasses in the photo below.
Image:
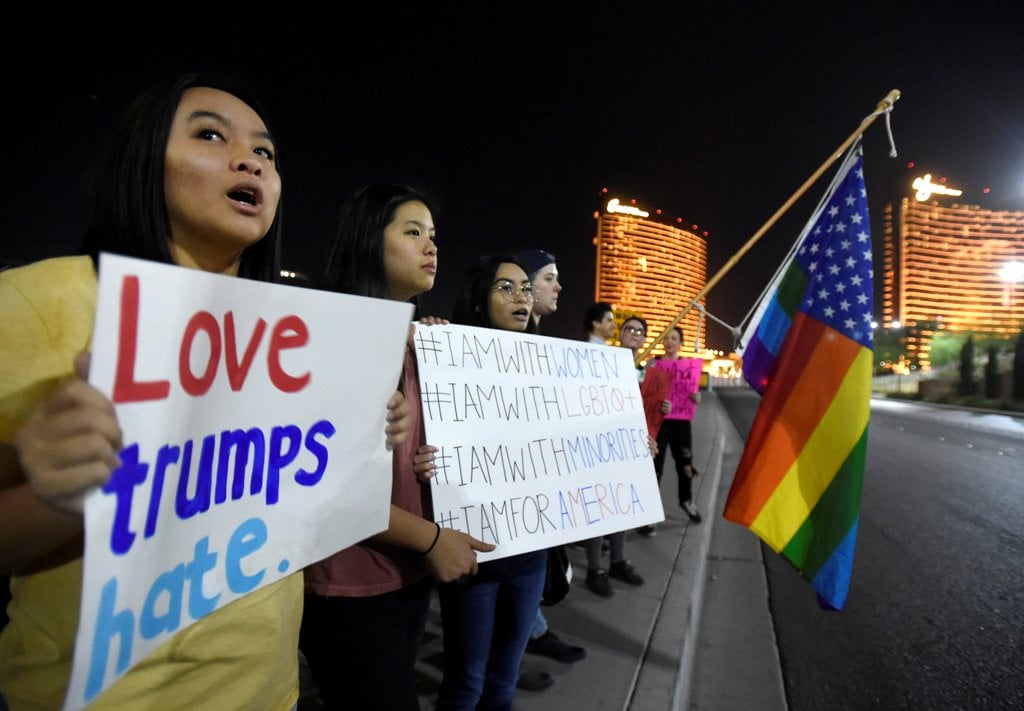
633	329
511	292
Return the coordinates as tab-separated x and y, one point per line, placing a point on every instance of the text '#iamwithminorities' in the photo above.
508	463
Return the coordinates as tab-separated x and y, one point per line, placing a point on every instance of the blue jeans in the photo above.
487	620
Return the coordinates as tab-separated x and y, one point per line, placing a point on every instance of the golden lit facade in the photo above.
949	264
650	268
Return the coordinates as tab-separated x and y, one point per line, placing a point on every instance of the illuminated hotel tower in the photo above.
957	265
650	268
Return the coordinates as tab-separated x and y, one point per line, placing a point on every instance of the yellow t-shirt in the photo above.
242	656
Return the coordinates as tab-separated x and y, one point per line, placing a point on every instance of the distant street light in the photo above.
901	368
1011	274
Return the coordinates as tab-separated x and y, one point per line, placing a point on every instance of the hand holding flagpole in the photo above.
883	106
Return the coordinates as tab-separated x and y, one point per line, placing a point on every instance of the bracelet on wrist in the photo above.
437	534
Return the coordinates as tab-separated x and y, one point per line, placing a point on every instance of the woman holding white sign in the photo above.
190	178
487	617
366	606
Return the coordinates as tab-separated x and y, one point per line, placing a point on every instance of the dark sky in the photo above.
515	119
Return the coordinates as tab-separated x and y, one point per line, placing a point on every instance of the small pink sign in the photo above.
685	381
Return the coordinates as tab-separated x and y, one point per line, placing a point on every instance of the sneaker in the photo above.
647	531
550	645
597	581
691	511
622	570
534	680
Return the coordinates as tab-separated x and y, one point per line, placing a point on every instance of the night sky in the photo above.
515	120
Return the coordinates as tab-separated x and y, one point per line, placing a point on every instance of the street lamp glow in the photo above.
1012	272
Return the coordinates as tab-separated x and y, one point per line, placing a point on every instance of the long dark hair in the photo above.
473	300
355	254
129	210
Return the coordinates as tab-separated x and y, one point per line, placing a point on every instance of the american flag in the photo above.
836	255
798	483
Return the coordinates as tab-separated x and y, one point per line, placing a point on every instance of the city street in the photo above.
935	616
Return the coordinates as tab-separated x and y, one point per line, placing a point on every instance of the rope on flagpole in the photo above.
736	331
884	106
720	322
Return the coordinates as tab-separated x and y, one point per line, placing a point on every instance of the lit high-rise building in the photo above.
651	267
959	266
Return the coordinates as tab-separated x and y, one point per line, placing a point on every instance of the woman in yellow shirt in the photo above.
191	178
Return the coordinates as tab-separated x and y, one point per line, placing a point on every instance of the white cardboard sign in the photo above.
244	406
541	440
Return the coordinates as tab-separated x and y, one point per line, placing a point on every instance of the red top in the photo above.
654	391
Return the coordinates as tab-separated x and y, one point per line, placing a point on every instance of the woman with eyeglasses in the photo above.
487	617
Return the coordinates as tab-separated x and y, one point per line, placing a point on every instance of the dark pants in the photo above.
487	619
362	650
677	436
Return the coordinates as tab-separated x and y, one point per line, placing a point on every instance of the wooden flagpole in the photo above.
884	104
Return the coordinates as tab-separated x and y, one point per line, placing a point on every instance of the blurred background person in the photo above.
599	322
541	269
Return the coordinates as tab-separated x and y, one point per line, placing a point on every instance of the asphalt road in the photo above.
935	616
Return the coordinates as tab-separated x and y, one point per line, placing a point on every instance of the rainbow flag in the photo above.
809	354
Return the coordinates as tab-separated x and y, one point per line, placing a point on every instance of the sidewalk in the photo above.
697	635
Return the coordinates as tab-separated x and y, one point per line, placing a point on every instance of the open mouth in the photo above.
245	196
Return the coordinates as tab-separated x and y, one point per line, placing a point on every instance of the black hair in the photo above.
678	330
473	299
129	208
641	319
355	255
595	312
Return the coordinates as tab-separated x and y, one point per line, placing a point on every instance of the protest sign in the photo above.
541	440
685	381
244	406
654	391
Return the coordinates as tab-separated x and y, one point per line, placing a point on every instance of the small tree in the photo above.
1018	368
992	374
967	384
945	349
